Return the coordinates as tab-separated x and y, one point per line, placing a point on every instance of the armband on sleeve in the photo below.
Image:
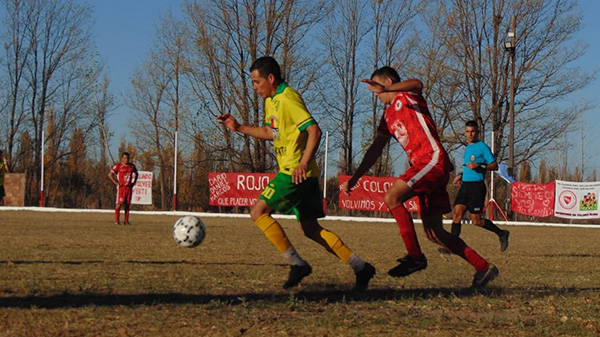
483	167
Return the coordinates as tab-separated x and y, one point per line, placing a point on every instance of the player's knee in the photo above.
391	200
255	213
477	222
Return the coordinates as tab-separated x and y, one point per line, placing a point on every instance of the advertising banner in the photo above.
533	199
236	189
576	200
369	193
142	191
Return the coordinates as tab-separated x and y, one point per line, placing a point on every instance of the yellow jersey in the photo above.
288	118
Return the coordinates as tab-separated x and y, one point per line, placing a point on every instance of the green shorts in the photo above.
304	199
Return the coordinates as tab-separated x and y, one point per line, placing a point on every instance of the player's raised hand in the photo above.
229	121
373	86
347	186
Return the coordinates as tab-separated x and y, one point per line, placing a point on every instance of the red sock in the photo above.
127	216
457	246
117	214
407	231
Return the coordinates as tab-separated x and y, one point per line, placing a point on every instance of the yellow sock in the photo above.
274	232
336	245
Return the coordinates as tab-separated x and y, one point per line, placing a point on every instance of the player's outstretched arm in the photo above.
260	132
412	85
373	153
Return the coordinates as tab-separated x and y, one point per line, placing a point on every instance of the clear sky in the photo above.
124	31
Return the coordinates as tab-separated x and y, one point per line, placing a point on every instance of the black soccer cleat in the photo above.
363	277
407	266
297	273
484	277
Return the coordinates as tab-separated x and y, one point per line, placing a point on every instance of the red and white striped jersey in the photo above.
408	120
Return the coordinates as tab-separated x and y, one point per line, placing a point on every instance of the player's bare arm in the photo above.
412	85
260	132
135	178
371	156
113	177
457	180
312	144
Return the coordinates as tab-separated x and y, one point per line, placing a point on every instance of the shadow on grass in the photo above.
304	295
19	262
567	255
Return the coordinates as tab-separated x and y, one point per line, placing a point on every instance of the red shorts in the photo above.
429	183
124	194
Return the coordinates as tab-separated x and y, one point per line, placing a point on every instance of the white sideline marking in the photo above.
280	216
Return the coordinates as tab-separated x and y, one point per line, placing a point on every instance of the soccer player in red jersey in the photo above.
407	119
124	175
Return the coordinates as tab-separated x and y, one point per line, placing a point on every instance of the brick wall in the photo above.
14	185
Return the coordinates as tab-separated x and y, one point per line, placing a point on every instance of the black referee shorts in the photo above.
472	194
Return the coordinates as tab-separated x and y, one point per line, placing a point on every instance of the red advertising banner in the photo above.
369	193
236	189
533	199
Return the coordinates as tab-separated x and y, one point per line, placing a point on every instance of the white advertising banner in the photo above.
575	200
142	191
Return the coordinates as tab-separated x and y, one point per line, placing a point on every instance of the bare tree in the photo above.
52	70
343	34
229	35
473	33
391	23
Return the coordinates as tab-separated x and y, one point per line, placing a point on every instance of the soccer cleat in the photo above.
484	277
127	223
297	273
363	277
445	251
117	223
504	240
407	266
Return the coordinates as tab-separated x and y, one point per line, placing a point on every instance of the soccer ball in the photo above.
189	231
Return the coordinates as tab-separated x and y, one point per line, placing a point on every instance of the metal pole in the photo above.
42	173
325	174
175	176
511	138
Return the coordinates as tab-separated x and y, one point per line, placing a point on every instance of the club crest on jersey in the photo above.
472	158
274	123
398	105
399	131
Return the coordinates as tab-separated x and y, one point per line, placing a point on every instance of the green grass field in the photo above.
77	274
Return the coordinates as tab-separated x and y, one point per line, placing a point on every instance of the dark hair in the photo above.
267	65
125	154
472	123
387	72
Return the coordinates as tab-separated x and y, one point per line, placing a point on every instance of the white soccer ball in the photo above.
189	231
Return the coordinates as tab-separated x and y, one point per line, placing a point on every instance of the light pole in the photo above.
509	46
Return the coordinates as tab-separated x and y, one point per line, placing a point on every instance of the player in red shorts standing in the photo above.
407	119
124	175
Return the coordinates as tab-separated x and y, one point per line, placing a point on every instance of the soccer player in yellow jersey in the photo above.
295	189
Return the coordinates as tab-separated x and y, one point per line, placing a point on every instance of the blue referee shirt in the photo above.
478	153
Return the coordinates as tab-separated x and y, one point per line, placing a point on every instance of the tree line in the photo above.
55	93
